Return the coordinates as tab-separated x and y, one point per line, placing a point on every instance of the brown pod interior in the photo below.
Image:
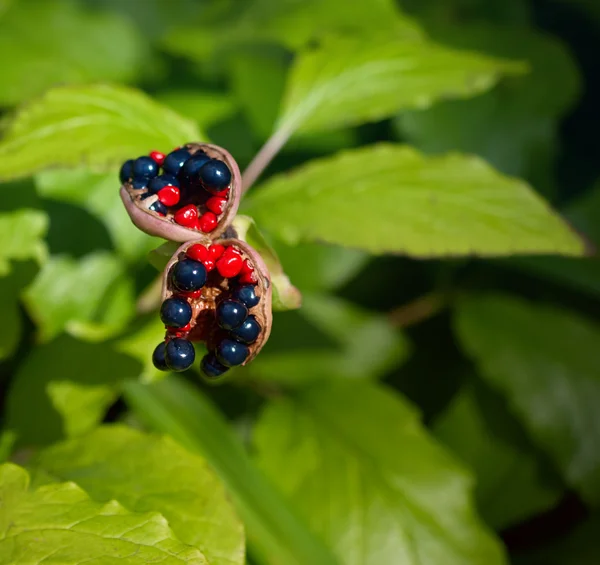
166	226
204	302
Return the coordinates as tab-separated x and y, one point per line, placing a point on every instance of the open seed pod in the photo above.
218	293
190	194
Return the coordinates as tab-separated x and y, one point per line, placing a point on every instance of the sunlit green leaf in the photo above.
204	107
92	298
275	532
99	126
367	477
44	44
285	295
64	388
510	485
152	474
390	198
59	523
22	233
545	361
347	81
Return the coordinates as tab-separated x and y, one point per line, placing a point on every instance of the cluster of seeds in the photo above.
188	186
212	294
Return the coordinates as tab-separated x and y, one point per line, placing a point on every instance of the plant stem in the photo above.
418	310
262	159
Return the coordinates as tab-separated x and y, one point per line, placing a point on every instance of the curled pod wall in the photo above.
192	193
217	293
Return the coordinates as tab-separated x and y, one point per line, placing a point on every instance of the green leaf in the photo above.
59	523
92	298
274	531
285	295
292	24
545	361
314	267
140	345
12	324
22	233
366	345
390	198
513	127
43	44
204	107
510	486
100	198
99	125
68	385
347	81
126	465
364	473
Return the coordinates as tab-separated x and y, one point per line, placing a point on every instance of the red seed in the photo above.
215	251
187	216
222	194
209	265
216	204
231	251
248	278
247	267
169	195
207	222
229	267
191	293
182	330
158	157
197	252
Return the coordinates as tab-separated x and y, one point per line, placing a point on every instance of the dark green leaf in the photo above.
545	360
43	44
152	474
390	198
510	486
67	385
367	477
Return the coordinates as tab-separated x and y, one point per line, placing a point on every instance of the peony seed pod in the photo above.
218	293
192	193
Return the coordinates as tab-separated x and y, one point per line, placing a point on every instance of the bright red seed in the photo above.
178	331
231	251
230	266
191	293
222	194
216	204
197	252
209	265
158	157
248	278
169	195
208	222
187	216
215	251
247	267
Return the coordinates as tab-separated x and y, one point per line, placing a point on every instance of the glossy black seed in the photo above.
175	312
139	184
158	207
193	165
145	168
179	354
158	357
188	275
175	160
211	367
214	175
247	295
248	332
161	181
231	353
231	314
126	171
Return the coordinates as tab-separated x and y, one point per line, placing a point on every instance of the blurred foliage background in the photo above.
434	194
